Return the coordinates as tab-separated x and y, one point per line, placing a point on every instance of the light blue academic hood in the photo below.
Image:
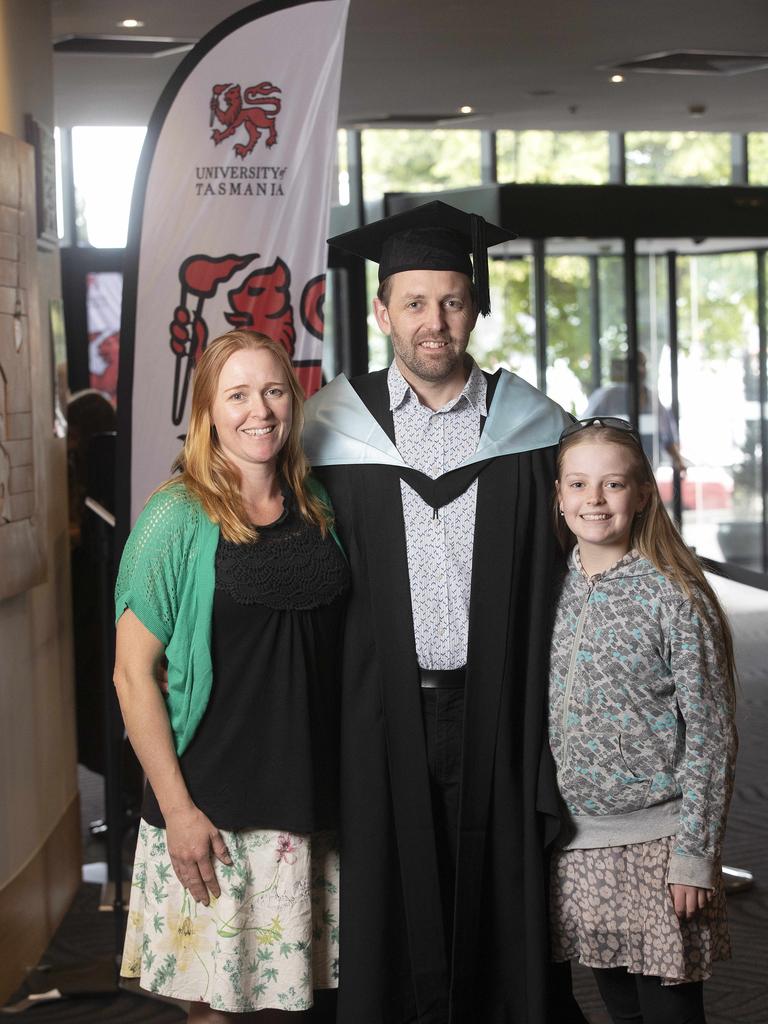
340	431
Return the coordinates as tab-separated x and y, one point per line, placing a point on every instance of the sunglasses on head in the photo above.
602	421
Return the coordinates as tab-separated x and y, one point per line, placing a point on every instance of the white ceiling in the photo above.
417	57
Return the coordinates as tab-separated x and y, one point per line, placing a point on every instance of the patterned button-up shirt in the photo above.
439	549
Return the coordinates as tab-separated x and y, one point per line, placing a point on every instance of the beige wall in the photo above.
39	831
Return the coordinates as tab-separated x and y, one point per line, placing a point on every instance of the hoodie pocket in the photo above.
599	780
635	767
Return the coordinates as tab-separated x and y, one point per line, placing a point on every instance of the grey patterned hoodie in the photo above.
641	721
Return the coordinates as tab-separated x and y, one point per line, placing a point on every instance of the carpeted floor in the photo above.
736	994
81	960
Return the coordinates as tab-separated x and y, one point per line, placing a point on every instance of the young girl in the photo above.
641	721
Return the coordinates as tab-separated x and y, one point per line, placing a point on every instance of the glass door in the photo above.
586	326
722	419
560	320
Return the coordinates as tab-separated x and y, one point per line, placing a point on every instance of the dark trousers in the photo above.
443	715
637	999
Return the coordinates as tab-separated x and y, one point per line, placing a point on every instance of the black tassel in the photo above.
480	263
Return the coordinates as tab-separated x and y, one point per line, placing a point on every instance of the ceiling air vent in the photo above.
696	62
405	119
123	46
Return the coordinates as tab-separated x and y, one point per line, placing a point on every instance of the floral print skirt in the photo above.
611	907
266	942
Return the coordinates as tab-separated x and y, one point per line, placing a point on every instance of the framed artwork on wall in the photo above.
41	137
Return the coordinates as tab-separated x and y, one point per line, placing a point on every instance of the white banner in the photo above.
230	217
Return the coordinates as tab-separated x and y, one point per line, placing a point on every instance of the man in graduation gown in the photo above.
441	478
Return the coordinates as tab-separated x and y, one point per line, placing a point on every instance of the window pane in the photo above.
658	429
104	296
405	160
719	406
342	166
612	329
586	326
568	331
379	346
507	337
559	157
678	158
758	158
329	367
104	166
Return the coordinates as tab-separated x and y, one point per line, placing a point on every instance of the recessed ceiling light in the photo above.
617	78
466	109
130	23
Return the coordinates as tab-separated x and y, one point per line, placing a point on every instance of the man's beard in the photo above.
432	368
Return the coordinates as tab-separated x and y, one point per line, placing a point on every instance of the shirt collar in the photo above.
474	390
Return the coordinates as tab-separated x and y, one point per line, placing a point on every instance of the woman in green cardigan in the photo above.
233	573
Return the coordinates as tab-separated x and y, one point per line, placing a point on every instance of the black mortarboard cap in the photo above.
434	236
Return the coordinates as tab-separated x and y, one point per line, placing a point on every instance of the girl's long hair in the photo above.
209	475
654	535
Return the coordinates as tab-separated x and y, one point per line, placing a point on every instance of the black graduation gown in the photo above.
393	965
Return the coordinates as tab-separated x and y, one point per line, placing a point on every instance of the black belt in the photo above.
442	679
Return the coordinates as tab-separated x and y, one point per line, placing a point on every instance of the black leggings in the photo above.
637	999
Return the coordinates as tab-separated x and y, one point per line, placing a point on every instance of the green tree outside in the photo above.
562	158
408	160
678	158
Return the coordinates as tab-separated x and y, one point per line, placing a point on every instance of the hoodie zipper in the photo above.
572	668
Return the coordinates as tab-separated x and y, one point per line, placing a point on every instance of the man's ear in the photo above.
475	315
381	313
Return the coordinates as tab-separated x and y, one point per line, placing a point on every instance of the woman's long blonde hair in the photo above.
653	534
202	466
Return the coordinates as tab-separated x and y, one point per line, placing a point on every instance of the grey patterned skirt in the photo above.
611	907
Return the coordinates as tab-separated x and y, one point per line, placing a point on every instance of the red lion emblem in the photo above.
261	303
260	116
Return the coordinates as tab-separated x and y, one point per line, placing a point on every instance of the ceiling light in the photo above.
130	23
466	109
617	78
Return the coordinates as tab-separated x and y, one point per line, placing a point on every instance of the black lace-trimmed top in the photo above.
266	752
288	568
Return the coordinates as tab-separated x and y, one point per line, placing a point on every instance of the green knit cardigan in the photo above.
166	578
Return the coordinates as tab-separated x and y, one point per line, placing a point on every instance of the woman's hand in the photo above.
689	899
193	841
